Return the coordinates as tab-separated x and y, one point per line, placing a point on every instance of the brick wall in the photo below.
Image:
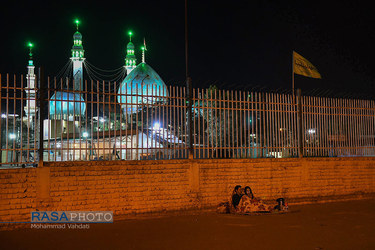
130	187
17	194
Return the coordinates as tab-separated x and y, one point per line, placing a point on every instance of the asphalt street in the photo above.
339	225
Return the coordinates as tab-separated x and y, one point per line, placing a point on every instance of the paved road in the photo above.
343	225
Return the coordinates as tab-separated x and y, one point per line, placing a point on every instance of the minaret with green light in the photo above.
77	58
30	107
130	60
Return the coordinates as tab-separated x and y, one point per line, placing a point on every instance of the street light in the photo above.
12	136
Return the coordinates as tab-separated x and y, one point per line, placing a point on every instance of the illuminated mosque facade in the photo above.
67	108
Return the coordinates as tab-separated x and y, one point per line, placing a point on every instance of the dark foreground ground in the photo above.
342	225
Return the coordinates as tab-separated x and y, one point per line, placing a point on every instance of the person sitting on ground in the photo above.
282	206
236	196
230	205
249	203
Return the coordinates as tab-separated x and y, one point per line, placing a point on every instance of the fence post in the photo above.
1	121
190	118
299	123
42	104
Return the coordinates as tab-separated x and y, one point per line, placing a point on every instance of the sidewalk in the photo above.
341	225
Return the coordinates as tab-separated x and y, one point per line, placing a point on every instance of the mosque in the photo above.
66	128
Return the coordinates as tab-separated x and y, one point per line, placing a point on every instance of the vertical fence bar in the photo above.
341	128
372	126
368	106
225	104
327	126
366	128
364	119
365	148
176	111
49	150
276	125
348	118
1	120
7	121
355	124
299	123
321	126
41	115
280	114
254	125
217	123
14	156
20	152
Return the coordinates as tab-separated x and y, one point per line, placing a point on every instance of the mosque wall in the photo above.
133	187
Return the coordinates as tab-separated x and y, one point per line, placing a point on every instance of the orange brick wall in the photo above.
130	187
17	193
294	179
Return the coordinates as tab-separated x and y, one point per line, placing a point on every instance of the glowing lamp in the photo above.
311	131
156	126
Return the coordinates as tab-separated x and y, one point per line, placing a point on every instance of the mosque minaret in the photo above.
30	107
77	58
130	59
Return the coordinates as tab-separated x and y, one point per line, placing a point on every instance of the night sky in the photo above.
235	44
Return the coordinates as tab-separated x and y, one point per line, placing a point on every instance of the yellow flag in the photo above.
303	67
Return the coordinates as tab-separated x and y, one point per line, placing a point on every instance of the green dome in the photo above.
77	36
130	46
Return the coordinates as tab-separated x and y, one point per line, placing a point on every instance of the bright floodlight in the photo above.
102	119
311	131
12	136
156	126
85	134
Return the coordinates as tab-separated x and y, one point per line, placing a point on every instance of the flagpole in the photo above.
293	74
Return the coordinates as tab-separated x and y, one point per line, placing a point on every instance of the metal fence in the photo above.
106	121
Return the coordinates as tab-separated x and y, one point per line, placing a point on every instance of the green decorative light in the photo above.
30	45
77	23
142	48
